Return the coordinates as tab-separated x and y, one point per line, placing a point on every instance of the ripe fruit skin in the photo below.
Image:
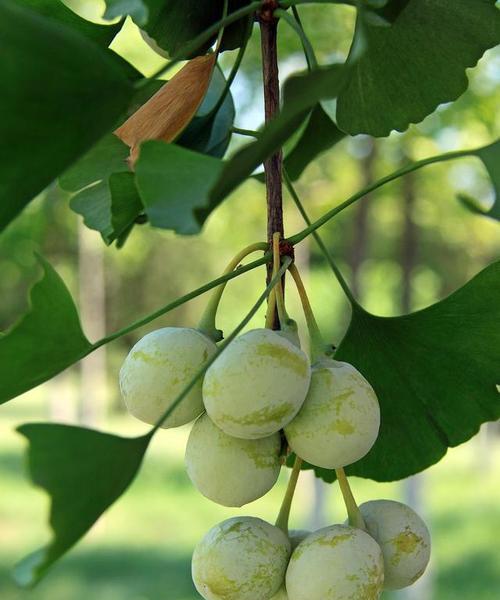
403	537
281	595
336	563
257	385
339	420
243	558
158	368
229	470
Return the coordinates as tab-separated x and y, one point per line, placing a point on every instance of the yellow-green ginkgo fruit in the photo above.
339	420
336	563
228	470
403	537
158	368
257	385
243	558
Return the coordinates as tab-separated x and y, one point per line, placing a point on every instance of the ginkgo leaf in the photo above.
435	372
170	110
47	339
84	472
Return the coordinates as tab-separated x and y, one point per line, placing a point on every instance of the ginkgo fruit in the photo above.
228	470
158	368
339	420
336	563
257	385
281	595
243	558
403	537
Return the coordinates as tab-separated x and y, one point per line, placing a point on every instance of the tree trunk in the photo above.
361	234
92	311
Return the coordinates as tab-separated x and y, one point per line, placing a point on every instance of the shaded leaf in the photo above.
319	135
57	10
67	94
90	178
126	204
414	65
490	155
174	185
84	472
168	112
46	340
300	94
108	156
435	372
209	132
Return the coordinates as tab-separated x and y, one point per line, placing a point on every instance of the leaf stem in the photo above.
234	71
338	274
296	24
207	322
223	346
295	239
179	301
318	346
353	512
284	514
200	40
220	35
245	132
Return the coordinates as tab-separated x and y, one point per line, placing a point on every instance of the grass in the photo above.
140	550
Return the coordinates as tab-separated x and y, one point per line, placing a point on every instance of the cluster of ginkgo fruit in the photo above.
259	400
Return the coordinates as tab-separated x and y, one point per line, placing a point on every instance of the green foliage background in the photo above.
141	549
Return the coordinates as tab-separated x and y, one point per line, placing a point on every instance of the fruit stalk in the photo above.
207	323
353	512
273	166
284	514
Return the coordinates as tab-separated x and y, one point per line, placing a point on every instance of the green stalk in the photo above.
353	512
207	323
338	274
232	75
295	239
318	346
296	25
223	346
245	132
176	303
284	514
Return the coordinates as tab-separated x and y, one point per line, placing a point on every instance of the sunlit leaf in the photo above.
414	65
46	340
60	94
435	372
84	472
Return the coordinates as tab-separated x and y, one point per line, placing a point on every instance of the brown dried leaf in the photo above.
169	111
